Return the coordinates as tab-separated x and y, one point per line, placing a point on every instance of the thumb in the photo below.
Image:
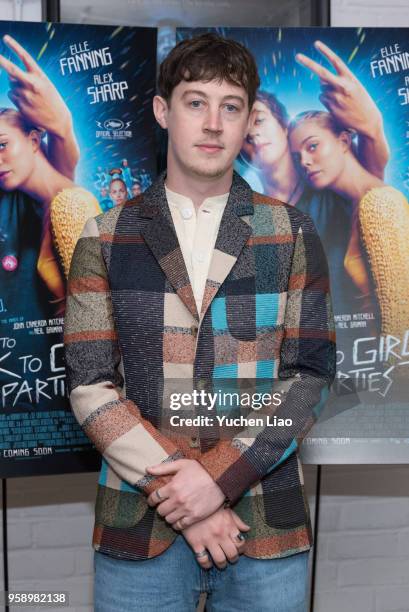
171	467
240	524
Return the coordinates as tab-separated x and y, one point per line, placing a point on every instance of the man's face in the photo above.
266	141
206	124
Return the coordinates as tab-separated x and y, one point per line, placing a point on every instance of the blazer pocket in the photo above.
282	504
251	315
119	508
241	316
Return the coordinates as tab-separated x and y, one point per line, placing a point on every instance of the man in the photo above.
199	279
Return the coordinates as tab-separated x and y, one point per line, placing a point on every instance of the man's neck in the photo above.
198	188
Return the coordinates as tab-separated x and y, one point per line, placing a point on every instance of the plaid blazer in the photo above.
131	322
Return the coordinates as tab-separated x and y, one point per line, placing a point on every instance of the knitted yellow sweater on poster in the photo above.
384	223
69	211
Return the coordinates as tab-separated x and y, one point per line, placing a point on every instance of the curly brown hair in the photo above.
207	57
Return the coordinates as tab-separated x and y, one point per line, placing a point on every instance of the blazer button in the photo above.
201	384
194	442
194	329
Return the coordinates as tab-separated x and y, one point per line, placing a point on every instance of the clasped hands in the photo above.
192	503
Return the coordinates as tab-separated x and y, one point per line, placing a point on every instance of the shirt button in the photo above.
194	442
186	213
193	329
199	256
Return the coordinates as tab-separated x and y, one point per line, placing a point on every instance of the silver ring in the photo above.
202	553
158	495
239	536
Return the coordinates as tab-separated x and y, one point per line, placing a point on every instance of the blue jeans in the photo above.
173	581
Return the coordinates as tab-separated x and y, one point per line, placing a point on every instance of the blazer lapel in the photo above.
233	234
160	236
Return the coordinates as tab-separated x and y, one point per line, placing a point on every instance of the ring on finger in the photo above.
238	537
201	553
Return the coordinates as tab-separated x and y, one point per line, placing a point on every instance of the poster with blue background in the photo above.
329	134
76	138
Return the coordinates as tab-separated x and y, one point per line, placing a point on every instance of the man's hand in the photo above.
190	496
218	536
343	94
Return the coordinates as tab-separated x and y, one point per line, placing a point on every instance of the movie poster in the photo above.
76	138
329	134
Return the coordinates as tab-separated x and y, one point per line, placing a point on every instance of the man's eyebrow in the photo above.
199	92
194	91
234	97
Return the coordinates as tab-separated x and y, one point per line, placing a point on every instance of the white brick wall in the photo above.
50	520
363	543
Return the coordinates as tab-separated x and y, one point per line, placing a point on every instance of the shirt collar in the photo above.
177	200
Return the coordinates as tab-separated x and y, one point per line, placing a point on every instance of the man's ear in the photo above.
160	110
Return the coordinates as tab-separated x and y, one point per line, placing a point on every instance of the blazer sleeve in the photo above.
127	441
307	365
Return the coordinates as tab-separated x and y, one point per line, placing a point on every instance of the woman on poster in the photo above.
45	175
118	191
266	148
378	249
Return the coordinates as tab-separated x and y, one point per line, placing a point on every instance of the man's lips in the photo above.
209	147
4	173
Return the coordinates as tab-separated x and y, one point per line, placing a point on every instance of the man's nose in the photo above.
213	120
